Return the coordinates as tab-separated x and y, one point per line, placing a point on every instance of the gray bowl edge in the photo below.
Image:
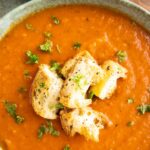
133	11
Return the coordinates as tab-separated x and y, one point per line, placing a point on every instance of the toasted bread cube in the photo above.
45	91
108	83
70	64
85	121
79	79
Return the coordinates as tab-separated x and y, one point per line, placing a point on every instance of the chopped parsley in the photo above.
130	123
59	106
32	58
41	131
121	55
48	34
47	129
78	79
90	95
143	108
130	100
27	74
55	20
29	26
46	46
22	89
58	49
67	147
55	66
11	109
76	45
42	84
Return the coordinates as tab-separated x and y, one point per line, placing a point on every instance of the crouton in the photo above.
78	81
70	64
45	91
85	121
108	83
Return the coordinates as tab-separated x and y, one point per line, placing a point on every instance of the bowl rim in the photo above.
8	21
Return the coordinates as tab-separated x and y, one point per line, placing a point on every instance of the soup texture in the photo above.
73	28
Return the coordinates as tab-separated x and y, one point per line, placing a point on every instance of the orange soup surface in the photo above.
101	32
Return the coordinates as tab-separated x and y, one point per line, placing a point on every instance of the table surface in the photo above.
7	5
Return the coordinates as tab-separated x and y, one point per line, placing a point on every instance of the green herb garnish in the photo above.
32	58
41	131
55	20
47	46
47	129
11	109
130	123
52	130
78	79
22	89
27	74
67	147
76	45
143	108
48	34
90	95
29	26
59	106
42	84
130	100
55	66
121	55
19	119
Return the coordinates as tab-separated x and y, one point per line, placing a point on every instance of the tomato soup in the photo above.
100	31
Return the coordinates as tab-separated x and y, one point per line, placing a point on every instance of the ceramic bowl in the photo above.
133	11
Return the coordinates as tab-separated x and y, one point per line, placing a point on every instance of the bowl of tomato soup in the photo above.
108	30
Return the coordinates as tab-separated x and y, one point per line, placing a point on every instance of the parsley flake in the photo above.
59	106
47	129
41	131
78	79
67	147
19	119
130	123
11	109
42	84
143	108
76	45
47	46
55	66
48	34
90	95
29	26
121	55
55	20
27	74
32	58
130	100
22	89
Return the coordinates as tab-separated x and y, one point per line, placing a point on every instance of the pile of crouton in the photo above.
81	74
